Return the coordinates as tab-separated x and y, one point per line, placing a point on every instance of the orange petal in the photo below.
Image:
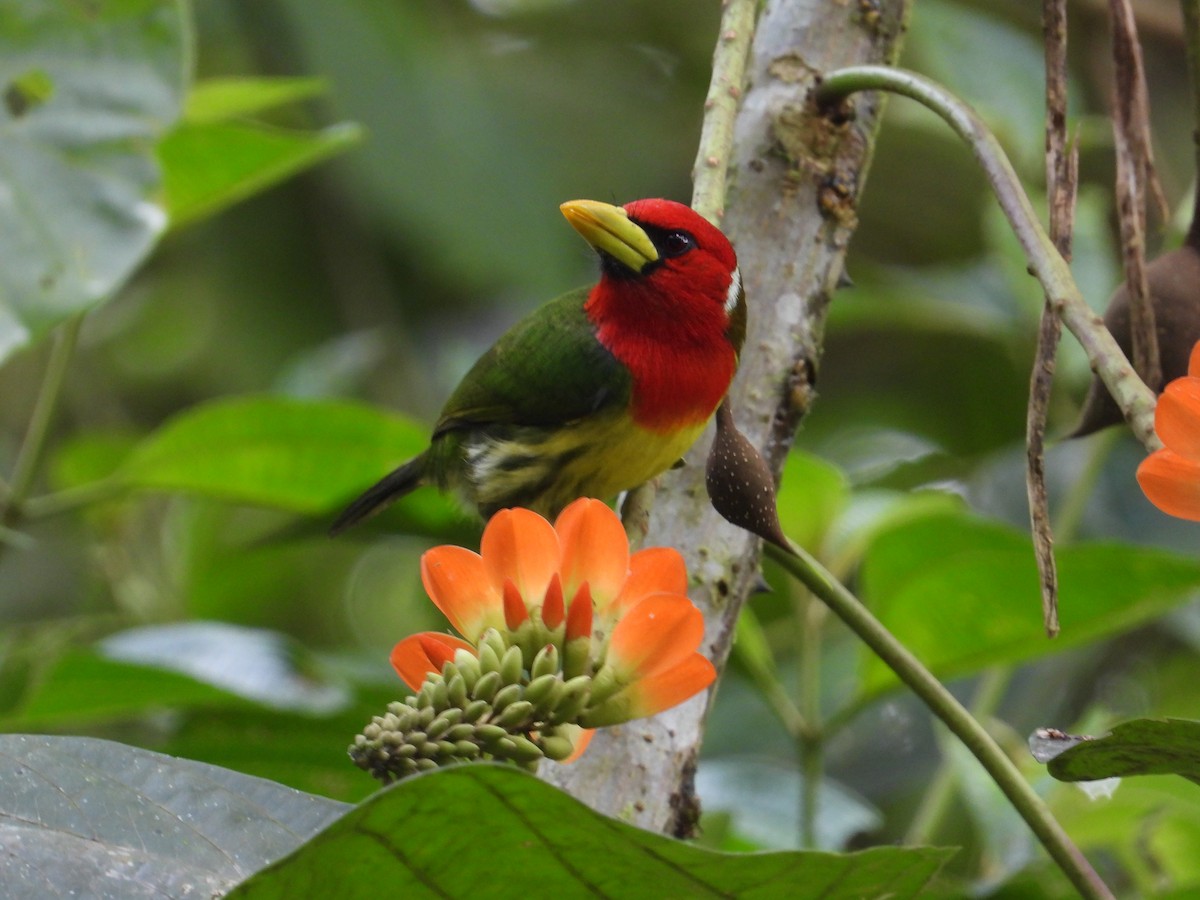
1194	361
579	614
670	687
653	694
457	583
521	545
553	610
1172	483
411	658
651	571
595	549
515	610
436	651
581	744
1177	417
659	632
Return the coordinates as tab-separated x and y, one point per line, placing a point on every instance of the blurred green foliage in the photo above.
186	486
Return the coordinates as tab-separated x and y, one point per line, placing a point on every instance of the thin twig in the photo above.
708	175
720	109
1135	176
30	453
1061	167
1191	38
1045	262
942	704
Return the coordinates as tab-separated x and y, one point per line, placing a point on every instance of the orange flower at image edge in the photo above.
622	619
1170	478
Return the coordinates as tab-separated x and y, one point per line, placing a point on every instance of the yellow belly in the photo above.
545	470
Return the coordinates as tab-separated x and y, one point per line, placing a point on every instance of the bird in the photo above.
600	389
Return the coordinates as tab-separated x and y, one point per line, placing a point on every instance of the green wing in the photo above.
548	368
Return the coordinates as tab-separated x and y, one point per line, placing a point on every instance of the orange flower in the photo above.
624	620
1170	478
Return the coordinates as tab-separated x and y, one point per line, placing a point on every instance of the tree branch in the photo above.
790	212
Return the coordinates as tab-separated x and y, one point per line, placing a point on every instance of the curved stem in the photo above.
30	453
936	801
1045	263
811	744
71	498
942	704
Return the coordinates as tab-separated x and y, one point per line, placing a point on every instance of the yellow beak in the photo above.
609	229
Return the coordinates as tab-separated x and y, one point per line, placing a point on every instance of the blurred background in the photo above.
381	275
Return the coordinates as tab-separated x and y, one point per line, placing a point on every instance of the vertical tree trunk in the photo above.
794	183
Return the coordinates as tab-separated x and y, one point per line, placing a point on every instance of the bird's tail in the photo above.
391	487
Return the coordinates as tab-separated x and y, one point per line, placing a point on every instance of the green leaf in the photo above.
1139	747
84	817
962	594
208	167
219	99
82	687
485	830
259	665
88	90
812	492
300	456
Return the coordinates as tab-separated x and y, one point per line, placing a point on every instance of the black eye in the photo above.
676	243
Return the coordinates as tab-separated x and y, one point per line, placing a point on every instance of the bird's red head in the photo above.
669	304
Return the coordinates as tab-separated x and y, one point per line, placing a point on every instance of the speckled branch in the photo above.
793	186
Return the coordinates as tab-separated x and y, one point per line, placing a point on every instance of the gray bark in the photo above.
794	182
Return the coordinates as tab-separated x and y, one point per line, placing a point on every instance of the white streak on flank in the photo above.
735	290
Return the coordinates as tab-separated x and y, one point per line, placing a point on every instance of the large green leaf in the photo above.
962	593
1139	747
208	167
484	830
219	99
82	688
89	818
88	89
301	456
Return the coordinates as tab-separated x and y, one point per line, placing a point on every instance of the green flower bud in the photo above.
506	695
604	684
424	717
437	728
512	666
490	734
514	714
489	659
466	749
496	642
556	747
544	663
577	657
541	691
461	732
523	749
456	690
575	696
488	684
612	711
467	664
475	710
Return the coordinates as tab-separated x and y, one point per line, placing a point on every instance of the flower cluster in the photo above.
564	630
1170	478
